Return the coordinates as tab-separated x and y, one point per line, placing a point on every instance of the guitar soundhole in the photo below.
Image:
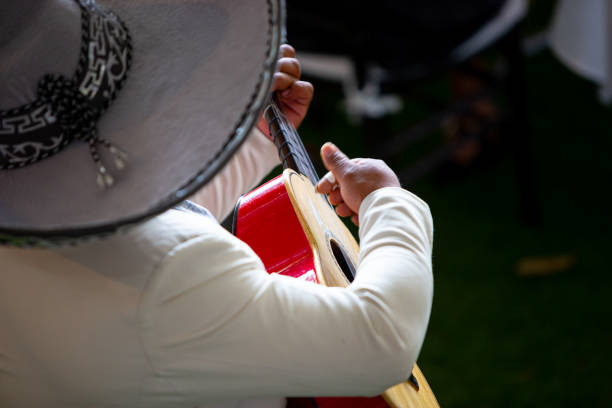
343	260
413	382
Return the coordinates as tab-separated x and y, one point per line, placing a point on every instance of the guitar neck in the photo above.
291	150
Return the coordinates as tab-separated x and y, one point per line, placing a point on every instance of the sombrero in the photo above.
113	111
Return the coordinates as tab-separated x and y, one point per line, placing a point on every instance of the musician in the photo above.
175	311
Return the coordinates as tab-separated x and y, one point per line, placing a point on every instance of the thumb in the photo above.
334	160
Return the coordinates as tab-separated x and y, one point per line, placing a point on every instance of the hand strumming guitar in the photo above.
349	181
294	96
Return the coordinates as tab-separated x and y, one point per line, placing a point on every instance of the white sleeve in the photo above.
216	325
254	159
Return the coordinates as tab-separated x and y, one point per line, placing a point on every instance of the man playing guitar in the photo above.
177	312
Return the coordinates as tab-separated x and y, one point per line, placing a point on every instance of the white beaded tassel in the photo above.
119	156
104	178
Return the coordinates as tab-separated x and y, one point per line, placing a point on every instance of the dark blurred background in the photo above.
510	146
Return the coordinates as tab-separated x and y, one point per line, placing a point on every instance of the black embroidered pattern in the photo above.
68	109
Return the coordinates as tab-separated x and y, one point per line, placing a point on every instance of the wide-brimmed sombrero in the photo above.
113	111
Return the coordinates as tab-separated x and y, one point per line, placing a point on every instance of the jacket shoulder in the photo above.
135	253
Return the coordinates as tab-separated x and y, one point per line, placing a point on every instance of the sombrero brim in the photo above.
200	73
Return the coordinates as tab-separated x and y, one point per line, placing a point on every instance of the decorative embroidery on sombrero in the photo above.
68	109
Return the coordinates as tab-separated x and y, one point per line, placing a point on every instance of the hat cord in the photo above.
78	118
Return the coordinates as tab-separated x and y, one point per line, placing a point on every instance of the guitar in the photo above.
315	245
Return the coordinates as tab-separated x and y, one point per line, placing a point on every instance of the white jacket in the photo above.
177	312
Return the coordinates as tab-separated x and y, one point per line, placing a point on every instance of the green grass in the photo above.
499	340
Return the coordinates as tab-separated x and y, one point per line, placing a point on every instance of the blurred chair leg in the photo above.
520	129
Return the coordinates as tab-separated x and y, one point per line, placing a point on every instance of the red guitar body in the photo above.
265	219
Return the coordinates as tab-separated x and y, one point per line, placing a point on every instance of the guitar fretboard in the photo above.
291	150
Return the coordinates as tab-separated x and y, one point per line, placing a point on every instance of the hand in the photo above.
294	95
349	181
